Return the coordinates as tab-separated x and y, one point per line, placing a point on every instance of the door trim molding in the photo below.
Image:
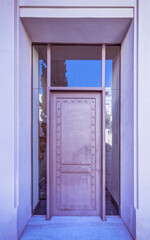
48	209
49	91
87	89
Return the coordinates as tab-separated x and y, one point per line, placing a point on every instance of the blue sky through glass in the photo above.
83	73
108	73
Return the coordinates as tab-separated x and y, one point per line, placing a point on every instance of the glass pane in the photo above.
39	128
76	66
112	130
112	67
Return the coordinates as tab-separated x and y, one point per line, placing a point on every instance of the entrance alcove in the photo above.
110	30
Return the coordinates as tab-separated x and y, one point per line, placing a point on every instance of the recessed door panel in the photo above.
75	153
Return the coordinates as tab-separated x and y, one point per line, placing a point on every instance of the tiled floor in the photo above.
75	228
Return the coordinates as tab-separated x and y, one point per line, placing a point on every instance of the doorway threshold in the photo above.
75	228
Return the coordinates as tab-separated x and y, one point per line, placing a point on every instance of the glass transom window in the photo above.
76	66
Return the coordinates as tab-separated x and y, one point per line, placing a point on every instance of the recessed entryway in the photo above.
127	211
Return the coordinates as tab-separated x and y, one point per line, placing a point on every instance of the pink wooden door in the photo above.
75	153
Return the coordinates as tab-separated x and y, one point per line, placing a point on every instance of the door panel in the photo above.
75	153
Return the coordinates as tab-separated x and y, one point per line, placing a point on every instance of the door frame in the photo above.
87	89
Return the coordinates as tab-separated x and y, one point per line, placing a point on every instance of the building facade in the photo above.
43	43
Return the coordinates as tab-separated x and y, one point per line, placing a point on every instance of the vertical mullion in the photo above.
103	136
103	64
48	216
48	65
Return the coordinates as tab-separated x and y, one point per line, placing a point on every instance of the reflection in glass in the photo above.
112	130
39	128
76	66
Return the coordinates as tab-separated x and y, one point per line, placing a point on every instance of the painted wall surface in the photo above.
8	211
127	147
143	212
24	209
79	30
95	3
115	129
